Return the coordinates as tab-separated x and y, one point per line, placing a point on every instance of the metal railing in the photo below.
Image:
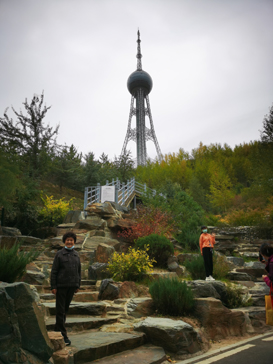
124	192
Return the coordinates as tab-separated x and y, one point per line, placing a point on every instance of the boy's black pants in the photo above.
208	261
64	296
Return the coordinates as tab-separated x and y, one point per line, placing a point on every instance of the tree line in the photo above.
29	153
218	178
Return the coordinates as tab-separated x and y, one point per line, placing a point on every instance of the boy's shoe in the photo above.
208	279
211	278
67	341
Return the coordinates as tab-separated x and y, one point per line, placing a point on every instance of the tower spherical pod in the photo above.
140	79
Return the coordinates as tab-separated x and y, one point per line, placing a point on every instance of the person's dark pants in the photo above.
208	261
63	298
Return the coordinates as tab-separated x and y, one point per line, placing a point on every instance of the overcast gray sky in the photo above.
211	63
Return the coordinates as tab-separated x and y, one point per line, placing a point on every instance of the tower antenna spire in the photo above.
139	55
140	85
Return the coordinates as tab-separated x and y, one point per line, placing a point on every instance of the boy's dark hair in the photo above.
203	227
266	249
69	235
261	258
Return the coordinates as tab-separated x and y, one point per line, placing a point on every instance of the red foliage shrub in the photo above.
150	220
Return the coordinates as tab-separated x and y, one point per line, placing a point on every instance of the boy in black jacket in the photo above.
65	280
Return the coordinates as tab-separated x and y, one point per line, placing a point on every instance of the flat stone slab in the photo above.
93	242
146	354
90	346
86	296
251	310
81	308
224	237
79	323
239	276
47	296
69	225
90	288
87	282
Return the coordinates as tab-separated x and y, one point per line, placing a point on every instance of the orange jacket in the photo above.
206	241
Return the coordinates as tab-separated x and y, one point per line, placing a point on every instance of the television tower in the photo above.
140	85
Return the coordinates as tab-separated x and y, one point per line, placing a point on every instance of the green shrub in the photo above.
131	266
196	267
190	242
13	262
234	297
171	296
160	248
220	267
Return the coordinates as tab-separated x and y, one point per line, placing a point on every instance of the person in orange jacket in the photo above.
206	243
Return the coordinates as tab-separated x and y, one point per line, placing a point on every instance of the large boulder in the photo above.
33	277
226	247
93	242
55	243
104	253
120	208
108	290
74	216
98	271
8	241
139	307
175	336
118	223
239	262
22	327
29	240
218	321
238	276
91	223
257	292
10	231
214	289
104	209
186	256
203	289
253	269
173	266
128	289
156	275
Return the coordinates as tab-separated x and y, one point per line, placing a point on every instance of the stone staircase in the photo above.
100	331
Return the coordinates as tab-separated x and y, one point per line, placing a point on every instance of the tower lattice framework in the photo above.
139	85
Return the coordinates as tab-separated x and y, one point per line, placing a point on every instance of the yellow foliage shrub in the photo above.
130	266
54	211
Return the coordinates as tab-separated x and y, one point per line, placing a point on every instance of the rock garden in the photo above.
167	313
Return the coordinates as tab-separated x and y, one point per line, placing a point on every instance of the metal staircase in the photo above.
124	192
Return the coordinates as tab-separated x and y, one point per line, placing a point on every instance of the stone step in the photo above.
224	237
80	323
88	287
86	296
115	308
88	282
249	249
89	346
257	318
85	287
47	296
145	354
249	254
78	297
79	308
